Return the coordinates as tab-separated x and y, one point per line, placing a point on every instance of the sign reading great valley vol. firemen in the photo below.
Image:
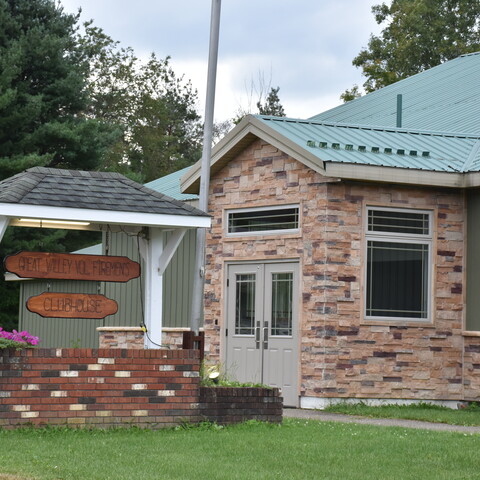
71	305
71	266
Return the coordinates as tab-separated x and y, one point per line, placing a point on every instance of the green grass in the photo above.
426	412
298	449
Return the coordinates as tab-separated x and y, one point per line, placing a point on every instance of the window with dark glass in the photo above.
263	220
398	264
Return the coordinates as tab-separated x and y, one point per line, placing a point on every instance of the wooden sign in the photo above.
71	305
71	266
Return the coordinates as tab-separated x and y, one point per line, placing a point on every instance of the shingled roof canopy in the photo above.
96	197
48	197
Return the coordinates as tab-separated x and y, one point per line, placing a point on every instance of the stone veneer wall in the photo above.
342	355
103	388
121	337
133	337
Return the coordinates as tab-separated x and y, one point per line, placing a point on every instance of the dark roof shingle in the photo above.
88	190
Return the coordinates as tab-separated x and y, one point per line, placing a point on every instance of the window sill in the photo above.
398	323
472	333
263	236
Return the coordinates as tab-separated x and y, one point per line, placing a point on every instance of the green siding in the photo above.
127	295
178	284
59	332
177	295
473	260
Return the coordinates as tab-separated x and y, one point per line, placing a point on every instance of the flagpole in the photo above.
199	278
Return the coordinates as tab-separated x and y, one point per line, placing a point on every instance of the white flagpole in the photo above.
198	279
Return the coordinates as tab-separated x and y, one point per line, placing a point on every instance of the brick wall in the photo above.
342	354
98	387
226	405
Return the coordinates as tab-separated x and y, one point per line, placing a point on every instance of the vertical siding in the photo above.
58	332
128	295
177	295
178	284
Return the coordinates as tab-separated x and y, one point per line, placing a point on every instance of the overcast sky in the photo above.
305	47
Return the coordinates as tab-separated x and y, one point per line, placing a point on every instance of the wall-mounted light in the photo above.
41	223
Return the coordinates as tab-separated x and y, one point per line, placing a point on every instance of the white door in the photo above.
262	324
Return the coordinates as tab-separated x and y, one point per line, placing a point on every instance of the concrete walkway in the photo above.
386	422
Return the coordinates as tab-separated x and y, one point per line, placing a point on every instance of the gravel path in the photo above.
387	422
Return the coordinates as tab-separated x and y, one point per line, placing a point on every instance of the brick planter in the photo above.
226	405
120	387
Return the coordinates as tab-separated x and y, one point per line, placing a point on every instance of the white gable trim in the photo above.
251	125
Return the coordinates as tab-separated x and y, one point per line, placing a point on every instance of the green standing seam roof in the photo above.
444	98
376	146
170	185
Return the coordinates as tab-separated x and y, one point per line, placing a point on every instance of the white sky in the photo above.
305	47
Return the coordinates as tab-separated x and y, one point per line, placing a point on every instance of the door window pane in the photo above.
245	304
282	298
397	280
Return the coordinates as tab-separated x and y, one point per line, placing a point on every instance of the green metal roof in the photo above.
170	185
442	99
385	147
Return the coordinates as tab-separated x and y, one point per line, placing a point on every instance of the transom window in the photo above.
260	220
398	272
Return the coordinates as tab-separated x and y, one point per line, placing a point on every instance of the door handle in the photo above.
257	336
265	335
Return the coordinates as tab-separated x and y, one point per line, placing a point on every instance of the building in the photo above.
343	258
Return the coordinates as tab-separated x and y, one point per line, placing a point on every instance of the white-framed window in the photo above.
263	220
398	264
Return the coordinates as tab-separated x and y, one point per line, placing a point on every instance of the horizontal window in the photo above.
388	221
263	220
398	264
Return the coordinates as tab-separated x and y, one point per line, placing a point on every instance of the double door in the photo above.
262	324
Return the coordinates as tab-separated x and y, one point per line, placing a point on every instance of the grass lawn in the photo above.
429	413
298	449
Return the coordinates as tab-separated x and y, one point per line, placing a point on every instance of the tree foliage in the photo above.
418	35
42	91
271	105
156	110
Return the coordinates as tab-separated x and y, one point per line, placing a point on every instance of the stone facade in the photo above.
341	354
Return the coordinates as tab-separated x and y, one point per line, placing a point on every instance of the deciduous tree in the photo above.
418	35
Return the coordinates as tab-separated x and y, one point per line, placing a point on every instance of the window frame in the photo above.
284	231
402	238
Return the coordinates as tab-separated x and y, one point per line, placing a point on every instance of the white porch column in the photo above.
4	221
153	288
